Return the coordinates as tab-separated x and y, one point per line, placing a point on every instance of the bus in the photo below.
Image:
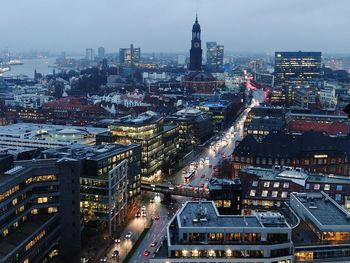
189	175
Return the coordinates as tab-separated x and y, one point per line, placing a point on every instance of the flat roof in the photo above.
323	209
192	211
147	117
198	210
293	175
80	151
28	130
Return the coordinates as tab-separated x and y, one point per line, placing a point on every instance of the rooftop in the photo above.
204	214
321	210
33	130
147	117
218	183
288	145
79	151
21	137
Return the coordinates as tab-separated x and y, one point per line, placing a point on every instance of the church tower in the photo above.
196	48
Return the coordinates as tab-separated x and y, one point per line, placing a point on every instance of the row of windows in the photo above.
265	193
222	236
270	161
9	192
274	184
326	187
41	178
35	240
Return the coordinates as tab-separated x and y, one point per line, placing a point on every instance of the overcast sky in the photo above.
165	25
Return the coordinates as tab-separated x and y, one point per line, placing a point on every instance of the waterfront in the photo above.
43	66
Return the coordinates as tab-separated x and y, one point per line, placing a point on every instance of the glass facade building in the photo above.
129	56
297	66
215	57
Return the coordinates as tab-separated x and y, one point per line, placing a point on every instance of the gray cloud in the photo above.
164	25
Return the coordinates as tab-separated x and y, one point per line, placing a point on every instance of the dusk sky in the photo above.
165	25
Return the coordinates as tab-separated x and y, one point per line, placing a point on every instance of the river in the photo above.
41	65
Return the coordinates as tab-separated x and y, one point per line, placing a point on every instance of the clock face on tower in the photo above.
196	45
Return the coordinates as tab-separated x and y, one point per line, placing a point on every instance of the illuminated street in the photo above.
165	211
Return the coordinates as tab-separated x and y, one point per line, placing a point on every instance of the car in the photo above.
202	185
128	235
104	259
146	253
115	254
117	240
138	213
156	217
143	208
144	214
151	201
154	243
203	175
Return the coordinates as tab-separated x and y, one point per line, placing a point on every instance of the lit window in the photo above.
327	187
34	211
264	193
307	186
266	184
255	183
286	185
316	187
52	210
274	194
42	200
276	185
284	194
252	192
338	197
339	188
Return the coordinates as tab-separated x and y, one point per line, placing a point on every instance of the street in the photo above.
221	147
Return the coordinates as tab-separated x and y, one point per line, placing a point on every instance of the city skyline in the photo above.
256	26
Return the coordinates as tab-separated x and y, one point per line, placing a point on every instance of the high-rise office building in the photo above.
159	142
90	54
181	59
297	66
110	177
215	57
129	56
101	52
39	204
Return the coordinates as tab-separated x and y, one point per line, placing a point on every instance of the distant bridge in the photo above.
181	190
